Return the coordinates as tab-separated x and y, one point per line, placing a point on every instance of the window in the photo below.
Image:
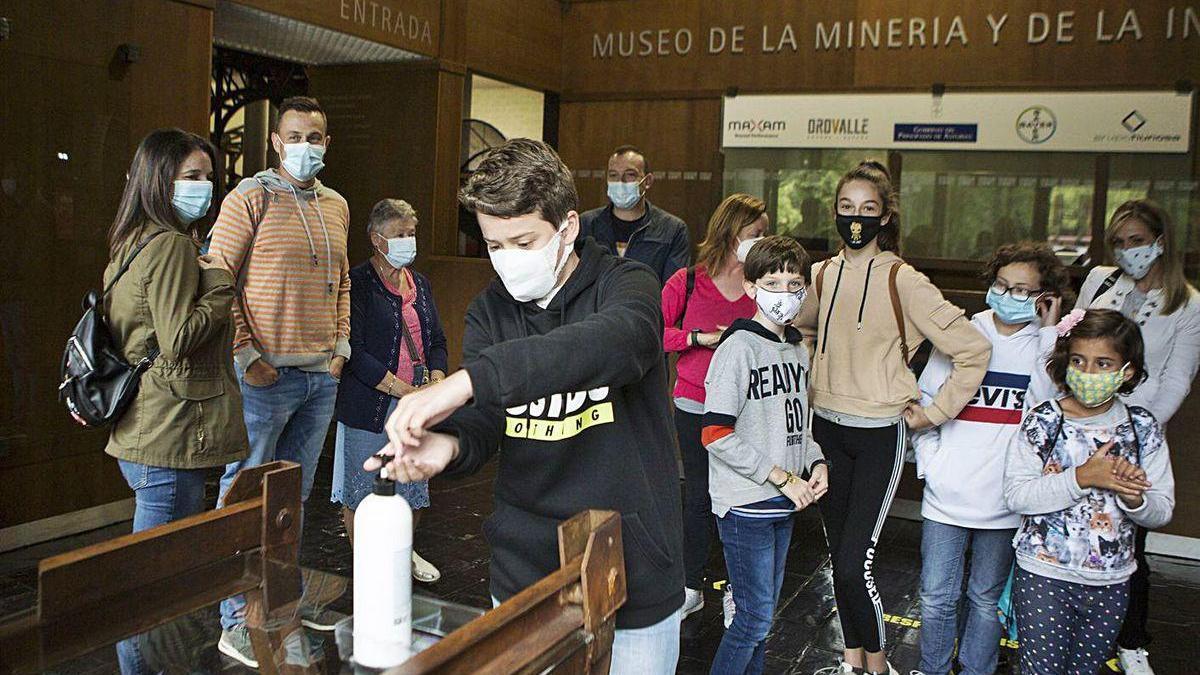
961	205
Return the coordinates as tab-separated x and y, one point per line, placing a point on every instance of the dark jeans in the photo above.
698	518
755	555
1133	631
1065	628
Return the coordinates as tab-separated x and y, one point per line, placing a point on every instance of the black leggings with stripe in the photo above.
864	471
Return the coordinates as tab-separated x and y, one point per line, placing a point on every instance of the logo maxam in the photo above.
1133	121
757	126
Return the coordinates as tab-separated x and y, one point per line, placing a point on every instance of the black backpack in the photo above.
97	383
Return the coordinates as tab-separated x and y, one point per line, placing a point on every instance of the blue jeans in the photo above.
755	555
653	650
162	496
287	420
943	549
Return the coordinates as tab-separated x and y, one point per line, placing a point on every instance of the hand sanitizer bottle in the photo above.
383	530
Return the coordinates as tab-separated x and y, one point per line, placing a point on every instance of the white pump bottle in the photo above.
383	535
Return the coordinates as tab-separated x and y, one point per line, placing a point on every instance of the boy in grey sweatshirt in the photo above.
756	429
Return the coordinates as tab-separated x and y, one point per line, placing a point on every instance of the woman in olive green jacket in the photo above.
187	416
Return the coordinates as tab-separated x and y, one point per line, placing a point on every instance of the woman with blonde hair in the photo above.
1148	287
698	304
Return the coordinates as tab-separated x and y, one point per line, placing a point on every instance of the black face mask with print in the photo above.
858	231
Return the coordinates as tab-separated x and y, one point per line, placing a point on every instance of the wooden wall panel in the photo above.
382	122
455	282
176	48
1154	60
516	40
73	114
679	137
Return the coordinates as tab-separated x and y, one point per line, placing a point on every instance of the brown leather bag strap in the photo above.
409	344
897	310
821	277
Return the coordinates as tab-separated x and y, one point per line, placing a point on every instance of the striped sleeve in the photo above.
342	347
232	235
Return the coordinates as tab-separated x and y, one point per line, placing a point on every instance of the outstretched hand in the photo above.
416	463
421	409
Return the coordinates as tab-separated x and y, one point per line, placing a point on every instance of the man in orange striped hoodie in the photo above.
283	236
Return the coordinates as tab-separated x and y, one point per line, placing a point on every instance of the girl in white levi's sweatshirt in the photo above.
962	462
1083	471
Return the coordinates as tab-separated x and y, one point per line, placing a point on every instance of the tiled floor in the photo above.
806	635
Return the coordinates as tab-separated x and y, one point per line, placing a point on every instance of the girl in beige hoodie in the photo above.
868	313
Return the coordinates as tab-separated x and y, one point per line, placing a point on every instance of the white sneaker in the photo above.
727	606
693	601
840	669
1135	661
423	570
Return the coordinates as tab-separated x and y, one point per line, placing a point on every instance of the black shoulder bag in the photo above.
97	383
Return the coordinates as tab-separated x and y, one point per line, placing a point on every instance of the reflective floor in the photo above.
806	635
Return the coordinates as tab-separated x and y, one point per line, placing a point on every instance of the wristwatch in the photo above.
695	337
790	477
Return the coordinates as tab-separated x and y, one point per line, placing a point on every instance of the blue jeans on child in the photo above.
755	555
161	496
287	420
943	555
1066	628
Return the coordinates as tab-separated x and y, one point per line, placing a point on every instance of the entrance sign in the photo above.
1124	121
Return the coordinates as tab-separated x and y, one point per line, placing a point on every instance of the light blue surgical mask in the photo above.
1010	310
303	160
191	199
402	251
624	195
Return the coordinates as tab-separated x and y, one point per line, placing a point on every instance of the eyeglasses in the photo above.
1018	294
794	286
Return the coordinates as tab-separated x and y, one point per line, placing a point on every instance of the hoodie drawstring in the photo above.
832	300
311	246
863	304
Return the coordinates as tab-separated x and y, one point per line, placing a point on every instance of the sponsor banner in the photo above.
1126	121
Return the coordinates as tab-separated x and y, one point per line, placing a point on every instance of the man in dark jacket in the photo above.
630	226
564	377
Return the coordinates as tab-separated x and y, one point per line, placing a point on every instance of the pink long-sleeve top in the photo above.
706	310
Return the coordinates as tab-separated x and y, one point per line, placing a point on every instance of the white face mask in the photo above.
531	275
779	306
303	160
744	247
1137	261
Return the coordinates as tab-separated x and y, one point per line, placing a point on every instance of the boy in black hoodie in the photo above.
563	376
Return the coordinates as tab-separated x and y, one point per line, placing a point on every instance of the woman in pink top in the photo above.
693	327
397	346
